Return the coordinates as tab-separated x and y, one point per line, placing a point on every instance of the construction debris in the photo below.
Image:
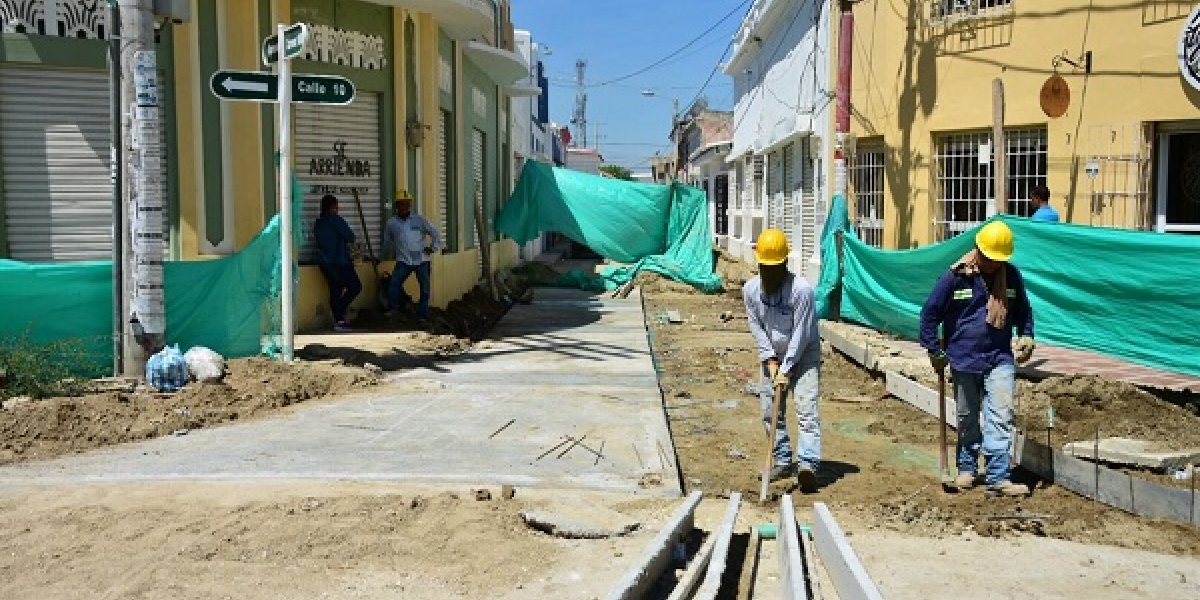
581	520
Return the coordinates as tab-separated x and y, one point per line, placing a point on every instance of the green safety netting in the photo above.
1127	294
230	305
659	228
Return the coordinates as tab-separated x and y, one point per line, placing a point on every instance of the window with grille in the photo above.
965	184
942	9
866	179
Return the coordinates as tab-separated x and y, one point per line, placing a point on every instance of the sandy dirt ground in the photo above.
50	427
275	541
302	540
879	472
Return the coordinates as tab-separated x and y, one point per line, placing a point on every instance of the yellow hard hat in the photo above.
995	241
772	247
403	195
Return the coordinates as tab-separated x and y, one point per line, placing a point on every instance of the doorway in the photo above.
1178	209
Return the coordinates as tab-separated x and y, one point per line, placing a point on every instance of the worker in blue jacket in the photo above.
334	239
977	304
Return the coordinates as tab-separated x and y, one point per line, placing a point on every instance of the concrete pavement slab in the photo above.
570	366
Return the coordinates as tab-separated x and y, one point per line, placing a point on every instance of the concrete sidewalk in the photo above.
1047	361
571	364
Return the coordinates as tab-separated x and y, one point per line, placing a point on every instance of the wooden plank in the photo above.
720	556
849	577
655	560
921	396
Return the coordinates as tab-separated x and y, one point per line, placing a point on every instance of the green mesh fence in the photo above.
230	304
658	228
1127	294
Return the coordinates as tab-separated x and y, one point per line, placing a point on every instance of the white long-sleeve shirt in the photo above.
404	239
784	324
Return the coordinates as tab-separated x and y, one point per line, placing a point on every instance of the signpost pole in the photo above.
285	197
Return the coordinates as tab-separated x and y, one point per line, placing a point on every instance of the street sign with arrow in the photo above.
295	38
255	86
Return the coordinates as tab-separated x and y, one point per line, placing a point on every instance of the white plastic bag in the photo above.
204	364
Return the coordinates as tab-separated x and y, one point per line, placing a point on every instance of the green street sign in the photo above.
294	40
254	86
245	85
322	89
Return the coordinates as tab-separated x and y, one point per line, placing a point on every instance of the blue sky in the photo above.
617	38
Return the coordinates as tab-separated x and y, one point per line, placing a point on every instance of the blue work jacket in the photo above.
958	304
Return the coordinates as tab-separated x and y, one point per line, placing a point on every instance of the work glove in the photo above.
1023	348
939	361
780	378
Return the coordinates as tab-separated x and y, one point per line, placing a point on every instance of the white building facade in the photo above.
531	134
782	133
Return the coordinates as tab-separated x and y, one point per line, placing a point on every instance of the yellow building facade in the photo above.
1115	136
429	116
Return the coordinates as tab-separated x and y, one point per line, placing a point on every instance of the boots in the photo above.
1007	489
782	471
965	481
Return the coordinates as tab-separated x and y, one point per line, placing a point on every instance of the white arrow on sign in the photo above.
234	85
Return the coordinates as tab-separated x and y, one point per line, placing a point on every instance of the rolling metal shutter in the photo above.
443	175
54	147
791	196
809	228
477	184
337	151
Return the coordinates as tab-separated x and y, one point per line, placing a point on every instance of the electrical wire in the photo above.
678	51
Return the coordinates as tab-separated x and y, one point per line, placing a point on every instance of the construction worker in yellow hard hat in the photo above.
783	320
412	240
977	304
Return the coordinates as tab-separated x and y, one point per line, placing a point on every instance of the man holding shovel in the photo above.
783	320
977	304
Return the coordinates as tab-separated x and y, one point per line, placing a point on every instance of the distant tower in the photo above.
580	118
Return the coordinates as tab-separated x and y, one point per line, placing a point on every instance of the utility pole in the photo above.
116	158
144	247
999	150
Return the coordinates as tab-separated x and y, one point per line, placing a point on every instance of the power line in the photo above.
678	51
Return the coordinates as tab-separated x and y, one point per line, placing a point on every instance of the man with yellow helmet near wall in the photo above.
977	304
783	320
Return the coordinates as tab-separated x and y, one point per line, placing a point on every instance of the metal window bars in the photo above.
866	180
1118	171
964	180
947	11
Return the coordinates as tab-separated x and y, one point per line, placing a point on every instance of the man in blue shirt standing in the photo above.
405	238
1039	197
334	237
977	304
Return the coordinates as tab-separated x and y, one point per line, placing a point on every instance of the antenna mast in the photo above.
580	118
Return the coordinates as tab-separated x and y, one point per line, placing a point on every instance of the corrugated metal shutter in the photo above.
774	191
791	198
54	147
337	150
808	203
477	184
443	175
